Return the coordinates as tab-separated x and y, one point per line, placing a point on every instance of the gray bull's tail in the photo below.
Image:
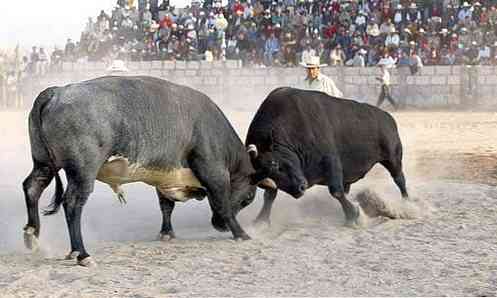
36	120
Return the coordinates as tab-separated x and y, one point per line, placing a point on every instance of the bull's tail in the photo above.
35	119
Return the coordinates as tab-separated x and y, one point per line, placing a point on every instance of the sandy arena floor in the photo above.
450	249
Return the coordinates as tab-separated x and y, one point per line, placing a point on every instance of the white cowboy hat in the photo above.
312	62
399	6
362	51
413	5
444	30
465	4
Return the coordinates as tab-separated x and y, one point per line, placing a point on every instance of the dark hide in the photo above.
304	138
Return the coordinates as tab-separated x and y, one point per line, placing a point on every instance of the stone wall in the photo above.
228	83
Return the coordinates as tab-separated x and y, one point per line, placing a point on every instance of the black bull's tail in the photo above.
36	121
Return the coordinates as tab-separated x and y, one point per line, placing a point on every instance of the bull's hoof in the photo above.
72	255
262	223
87	262
359	220
166	236
242	237
30	240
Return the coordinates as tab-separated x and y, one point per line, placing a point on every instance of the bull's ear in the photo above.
267	183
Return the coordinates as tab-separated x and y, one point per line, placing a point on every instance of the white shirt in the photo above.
385	78
324	84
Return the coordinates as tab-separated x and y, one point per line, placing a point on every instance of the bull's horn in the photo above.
252	150
267	183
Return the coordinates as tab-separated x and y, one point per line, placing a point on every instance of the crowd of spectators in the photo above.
285	32
264	33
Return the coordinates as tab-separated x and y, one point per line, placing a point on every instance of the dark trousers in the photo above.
385	93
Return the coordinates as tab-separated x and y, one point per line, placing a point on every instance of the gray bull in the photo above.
126	129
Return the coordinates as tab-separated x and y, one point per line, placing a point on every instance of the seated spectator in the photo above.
337	56
415	63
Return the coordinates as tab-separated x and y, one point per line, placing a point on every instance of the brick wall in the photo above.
227	82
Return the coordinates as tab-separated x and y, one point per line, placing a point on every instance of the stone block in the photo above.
234	72
232	64
372	80
367	70
67	66
457	69
180	64
454	80
133	65
205	64
330	70
217	64
193	65
210	80
351	71
423	80
485	70
217	72
427	70
271	81
491	80
194	81
169	65
439	80
443	70
156	65
290	80
190	73
156	73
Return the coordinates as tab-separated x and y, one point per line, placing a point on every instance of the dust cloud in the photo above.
441	245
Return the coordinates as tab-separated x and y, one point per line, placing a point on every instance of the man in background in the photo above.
385	84
317	81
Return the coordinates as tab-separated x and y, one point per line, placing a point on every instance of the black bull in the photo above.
128	129
302	138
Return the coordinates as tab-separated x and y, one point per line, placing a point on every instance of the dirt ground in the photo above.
448	249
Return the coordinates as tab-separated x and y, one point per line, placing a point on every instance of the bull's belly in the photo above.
178	184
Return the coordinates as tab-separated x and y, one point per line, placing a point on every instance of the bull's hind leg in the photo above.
395	170
33	186
336	188
166	207
269	196
80	185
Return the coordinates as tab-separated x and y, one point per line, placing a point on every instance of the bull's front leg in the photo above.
265	213
166	207
334	173
217	181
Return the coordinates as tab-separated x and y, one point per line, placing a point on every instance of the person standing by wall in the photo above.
385	84
317	81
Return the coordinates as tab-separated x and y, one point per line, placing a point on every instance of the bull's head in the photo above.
280	168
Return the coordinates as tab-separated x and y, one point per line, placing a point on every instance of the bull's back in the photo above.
137	128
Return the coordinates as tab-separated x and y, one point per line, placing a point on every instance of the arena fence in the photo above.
244	88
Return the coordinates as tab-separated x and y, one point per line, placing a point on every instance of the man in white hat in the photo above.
317	81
